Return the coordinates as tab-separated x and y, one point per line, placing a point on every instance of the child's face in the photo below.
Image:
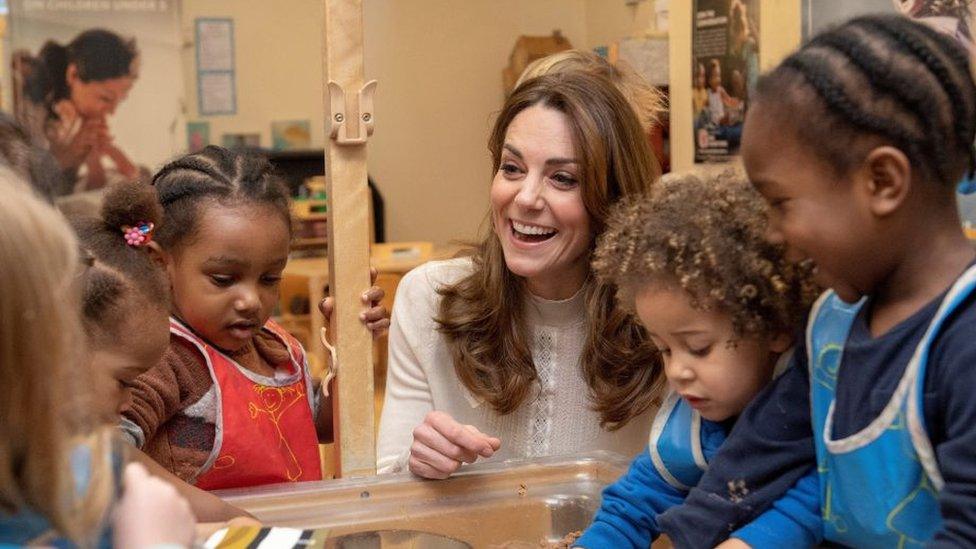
115	365
818	216
715	79
225	279
700	76
715	377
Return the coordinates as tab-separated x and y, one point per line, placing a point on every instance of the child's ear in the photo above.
158	255
887	173
780	343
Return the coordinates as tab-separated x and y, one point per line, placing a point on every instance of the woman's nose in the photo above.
530	195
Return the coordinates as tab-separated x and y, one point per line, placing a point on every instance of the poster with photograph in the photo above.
99	85
956	18
953	17
725	57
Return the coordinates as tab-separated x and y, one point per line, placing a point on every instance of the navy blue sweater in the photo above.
771	445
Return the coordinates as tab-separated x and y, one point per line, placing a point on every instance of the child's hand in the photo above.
375	317
151	512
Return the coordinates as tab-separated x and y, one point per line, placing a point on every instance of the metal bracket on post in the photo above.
339	126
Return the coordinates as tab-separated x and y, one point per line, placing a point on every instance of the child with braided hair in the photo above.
857	142
721	305
232	403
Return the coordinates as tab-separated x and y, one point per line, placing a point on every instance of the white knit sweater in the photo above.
421	378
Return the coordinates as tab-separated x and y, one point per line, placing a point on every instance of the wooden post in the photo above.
348	119
679	66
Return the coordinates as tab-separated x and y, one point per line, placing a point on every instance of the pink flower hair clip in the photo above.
140	235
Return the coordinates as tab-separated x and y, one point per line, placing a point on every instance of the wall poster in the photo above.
725	57
98	84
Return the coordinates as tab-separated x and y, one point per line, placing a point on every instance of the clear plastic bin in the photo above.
484	505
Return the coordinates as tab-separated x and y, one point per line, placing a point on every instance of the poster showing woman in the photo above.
77	66
725	50
953	17
956	18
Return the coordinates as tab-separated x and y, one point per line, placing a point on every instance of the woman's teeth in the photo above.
532	230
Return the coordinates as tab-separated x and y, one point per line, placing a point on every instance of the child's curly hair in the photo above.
707	236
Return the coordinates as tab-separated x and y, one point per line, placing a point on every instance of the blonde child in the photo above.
58	469
857	141
232	404
720	304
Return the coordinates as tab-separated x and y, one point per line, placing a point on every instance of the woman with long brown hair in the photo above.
517	351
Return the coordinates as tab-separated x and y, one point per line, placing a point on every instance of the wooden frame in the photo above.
348	120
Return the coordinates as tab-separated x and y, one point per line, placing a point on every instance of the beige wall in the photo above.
439	69
610	20
439	66
278	64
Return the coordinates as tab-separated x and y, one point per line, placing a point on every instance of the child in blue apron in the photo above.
858	141
721	304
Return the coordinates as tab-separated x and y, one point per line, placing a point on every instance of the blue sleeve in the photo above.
628	514
950	417
793	521
768	450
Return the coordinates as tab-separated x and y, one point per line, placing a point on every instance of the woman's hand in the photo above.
73	140
151	512
441	445
375	317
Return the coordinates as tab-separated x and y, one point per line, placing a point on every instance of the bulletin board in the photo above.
216	81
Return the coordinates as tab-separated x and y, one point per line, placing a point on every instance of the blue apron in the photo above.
675	443
879	486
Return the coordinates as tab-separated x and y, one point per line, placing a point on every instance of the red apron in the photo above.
265	433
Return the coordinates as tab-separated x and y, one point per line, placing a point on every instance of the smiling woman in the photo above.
537	209
516	351
75	87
